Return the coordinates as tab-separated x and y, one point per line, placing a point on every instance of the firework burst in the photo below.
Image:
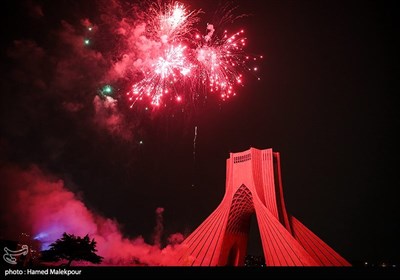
188	64
163	75
221	62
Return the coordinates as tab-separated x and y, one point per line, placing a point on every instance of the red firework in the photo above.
188	64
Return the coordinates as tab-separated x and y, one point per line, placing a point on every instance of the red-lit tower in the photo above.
253	185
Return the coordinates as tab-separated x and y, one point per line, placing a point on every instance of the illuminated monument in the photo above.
253	185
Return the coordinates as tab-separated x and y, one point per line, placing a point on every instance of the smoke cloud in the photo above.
159	227
41	205
107	116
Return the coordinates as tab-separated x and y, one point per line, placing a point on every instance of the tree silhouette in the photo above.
72	248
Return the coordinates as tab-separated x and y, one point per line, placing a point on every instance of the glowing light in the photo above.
41	236
107	90
86	41
44	238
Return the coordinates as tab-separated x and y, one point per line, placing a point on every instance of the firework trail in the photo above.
188	65
194	143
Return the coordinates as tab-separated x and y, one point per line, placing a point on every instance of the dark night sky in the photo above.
325	101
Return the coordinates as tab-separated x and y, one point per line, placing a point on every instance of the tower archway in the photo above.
254	186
